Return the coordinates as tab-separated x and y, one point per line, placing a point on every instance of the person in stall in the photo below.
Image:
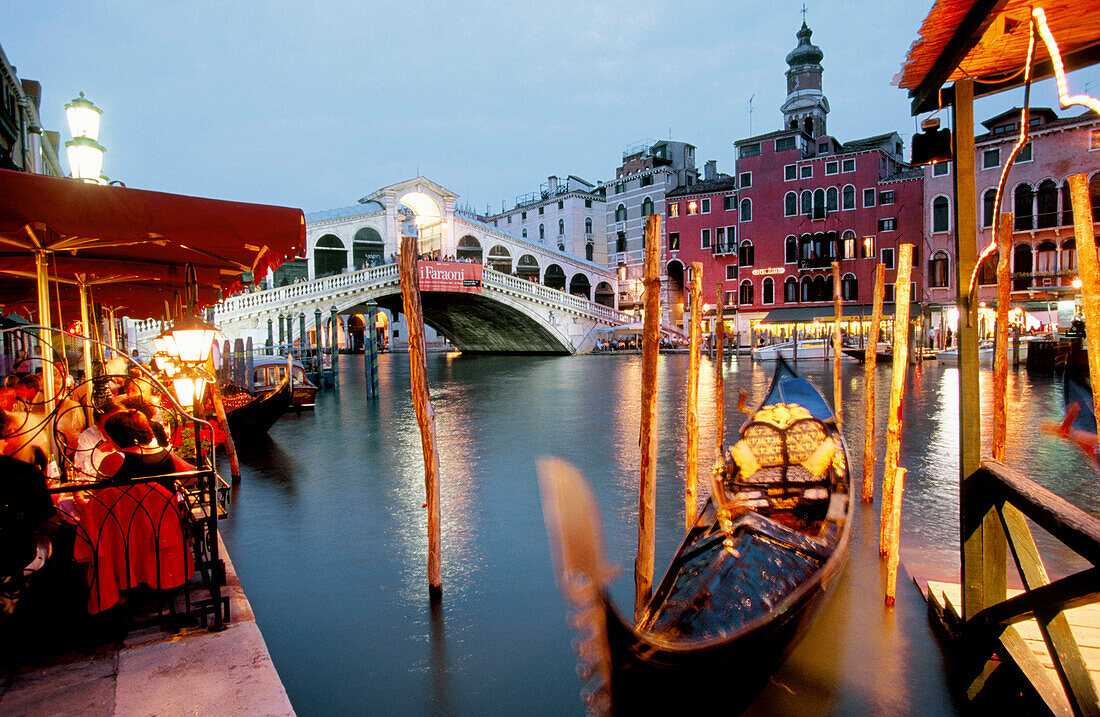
138	455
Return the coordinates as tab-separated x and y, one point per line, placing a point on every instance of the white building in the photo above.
564	214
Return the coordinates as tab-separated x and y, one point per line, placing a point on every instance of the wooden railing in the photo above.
997	504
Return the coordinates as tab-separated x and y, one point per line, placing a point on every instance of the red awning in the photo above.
104	230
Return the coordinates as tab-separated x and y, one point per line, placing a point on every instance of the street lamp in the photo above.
185	349
84	152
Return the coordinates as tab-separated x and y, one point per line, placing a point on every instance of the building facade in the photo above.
566	214
1043	256
649	170
798	201
24	145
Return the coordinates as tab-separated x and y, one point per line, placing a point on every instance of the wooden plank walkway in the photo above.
1084	623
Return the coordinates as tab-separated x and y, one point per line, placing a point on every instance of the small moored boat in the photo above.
748	578
249	415
807	349
269	371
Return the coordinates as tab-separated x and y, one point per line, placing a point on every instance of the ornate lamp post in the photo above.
84	151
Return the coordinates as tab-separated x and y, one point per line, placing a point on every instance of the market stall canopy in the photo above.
138	298
986	40
108	230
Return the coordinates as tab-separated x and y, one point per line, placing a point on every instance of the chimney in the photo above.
552	180
710	169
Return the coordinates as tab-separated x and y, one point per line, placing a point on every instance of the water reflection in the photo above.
329	536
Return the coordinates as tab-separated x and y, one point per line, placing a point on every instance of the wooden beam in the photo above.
967	34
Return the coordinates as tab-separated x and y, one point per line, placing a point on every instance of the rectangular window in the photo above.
790	172
705	239
749	150
731	238
885	198
542	210
509	218
1094	141
523	215
849	165
730	203
561	204
1025	154
806	172
673	241
646	180
693	207
941	169
887	225
731	273
784	144
868	247
706	206
831	168
823	148
991	158
674	209
849	248
730	300
745	180
888	257
868	197
587	203
888	294
620	242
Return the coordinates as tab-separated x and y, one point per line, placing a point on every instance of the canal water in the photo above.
327	532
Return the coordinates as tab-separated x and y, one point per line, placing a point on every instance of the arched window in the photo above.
524	232
1022	267
469	248
820	292
848	245
790	204
1069	255
561	227
767	291
806	200
941	211
554	277
1046	257
367	248
807	288
620	213
790	254
849	288
589	250
849	197
989	211
1067	206
988	274
937	270
790	290
1024	207
831	199
746	292
542	232
819	204
1046	200
647	207
745	255
588	225
329	256
746	211
1094	194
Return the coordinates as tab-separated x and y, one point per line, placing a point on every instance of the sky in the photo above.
316	104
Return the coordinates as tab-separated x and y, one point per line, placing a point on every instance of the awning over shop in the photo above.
807	314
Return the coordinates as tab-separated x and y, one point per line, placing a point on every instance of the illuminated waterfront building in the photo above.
24	145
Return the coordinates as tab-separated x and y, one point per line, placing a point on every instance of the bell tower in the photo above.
806	106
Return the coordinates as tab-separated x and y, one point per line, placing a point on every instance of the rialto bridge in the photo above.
531	299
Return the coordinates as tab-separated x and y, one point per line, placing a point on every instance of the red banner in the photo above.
449	276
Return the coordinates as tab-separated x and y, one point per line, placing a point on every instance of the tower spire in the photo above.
806	106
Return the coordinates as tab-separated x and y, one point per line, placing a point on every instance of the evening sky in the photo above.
315	104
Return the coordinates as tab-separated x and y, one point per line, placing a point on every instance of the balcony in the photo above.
1028	280
815	263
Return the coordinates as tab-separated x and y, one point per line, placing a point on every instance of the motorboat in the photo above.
269	371
807	349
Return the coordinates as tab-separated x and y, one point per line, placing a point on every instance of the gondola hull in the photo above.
738	598
256	417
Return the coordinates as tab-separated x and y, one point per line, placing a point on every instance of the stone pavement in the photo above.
153	672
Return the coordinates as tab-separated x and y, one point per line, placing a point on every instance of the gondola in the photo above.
747	580
258	415
1077	389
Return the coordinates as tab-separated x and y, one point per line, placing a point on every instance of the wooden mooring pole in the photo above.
1000	342
838	310
223	424
902	292
870	359
719	378
422	403
1089	269
647	488
692	469
894	554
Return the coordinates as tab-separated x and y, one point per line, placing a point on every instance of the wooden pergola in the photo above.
968	49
